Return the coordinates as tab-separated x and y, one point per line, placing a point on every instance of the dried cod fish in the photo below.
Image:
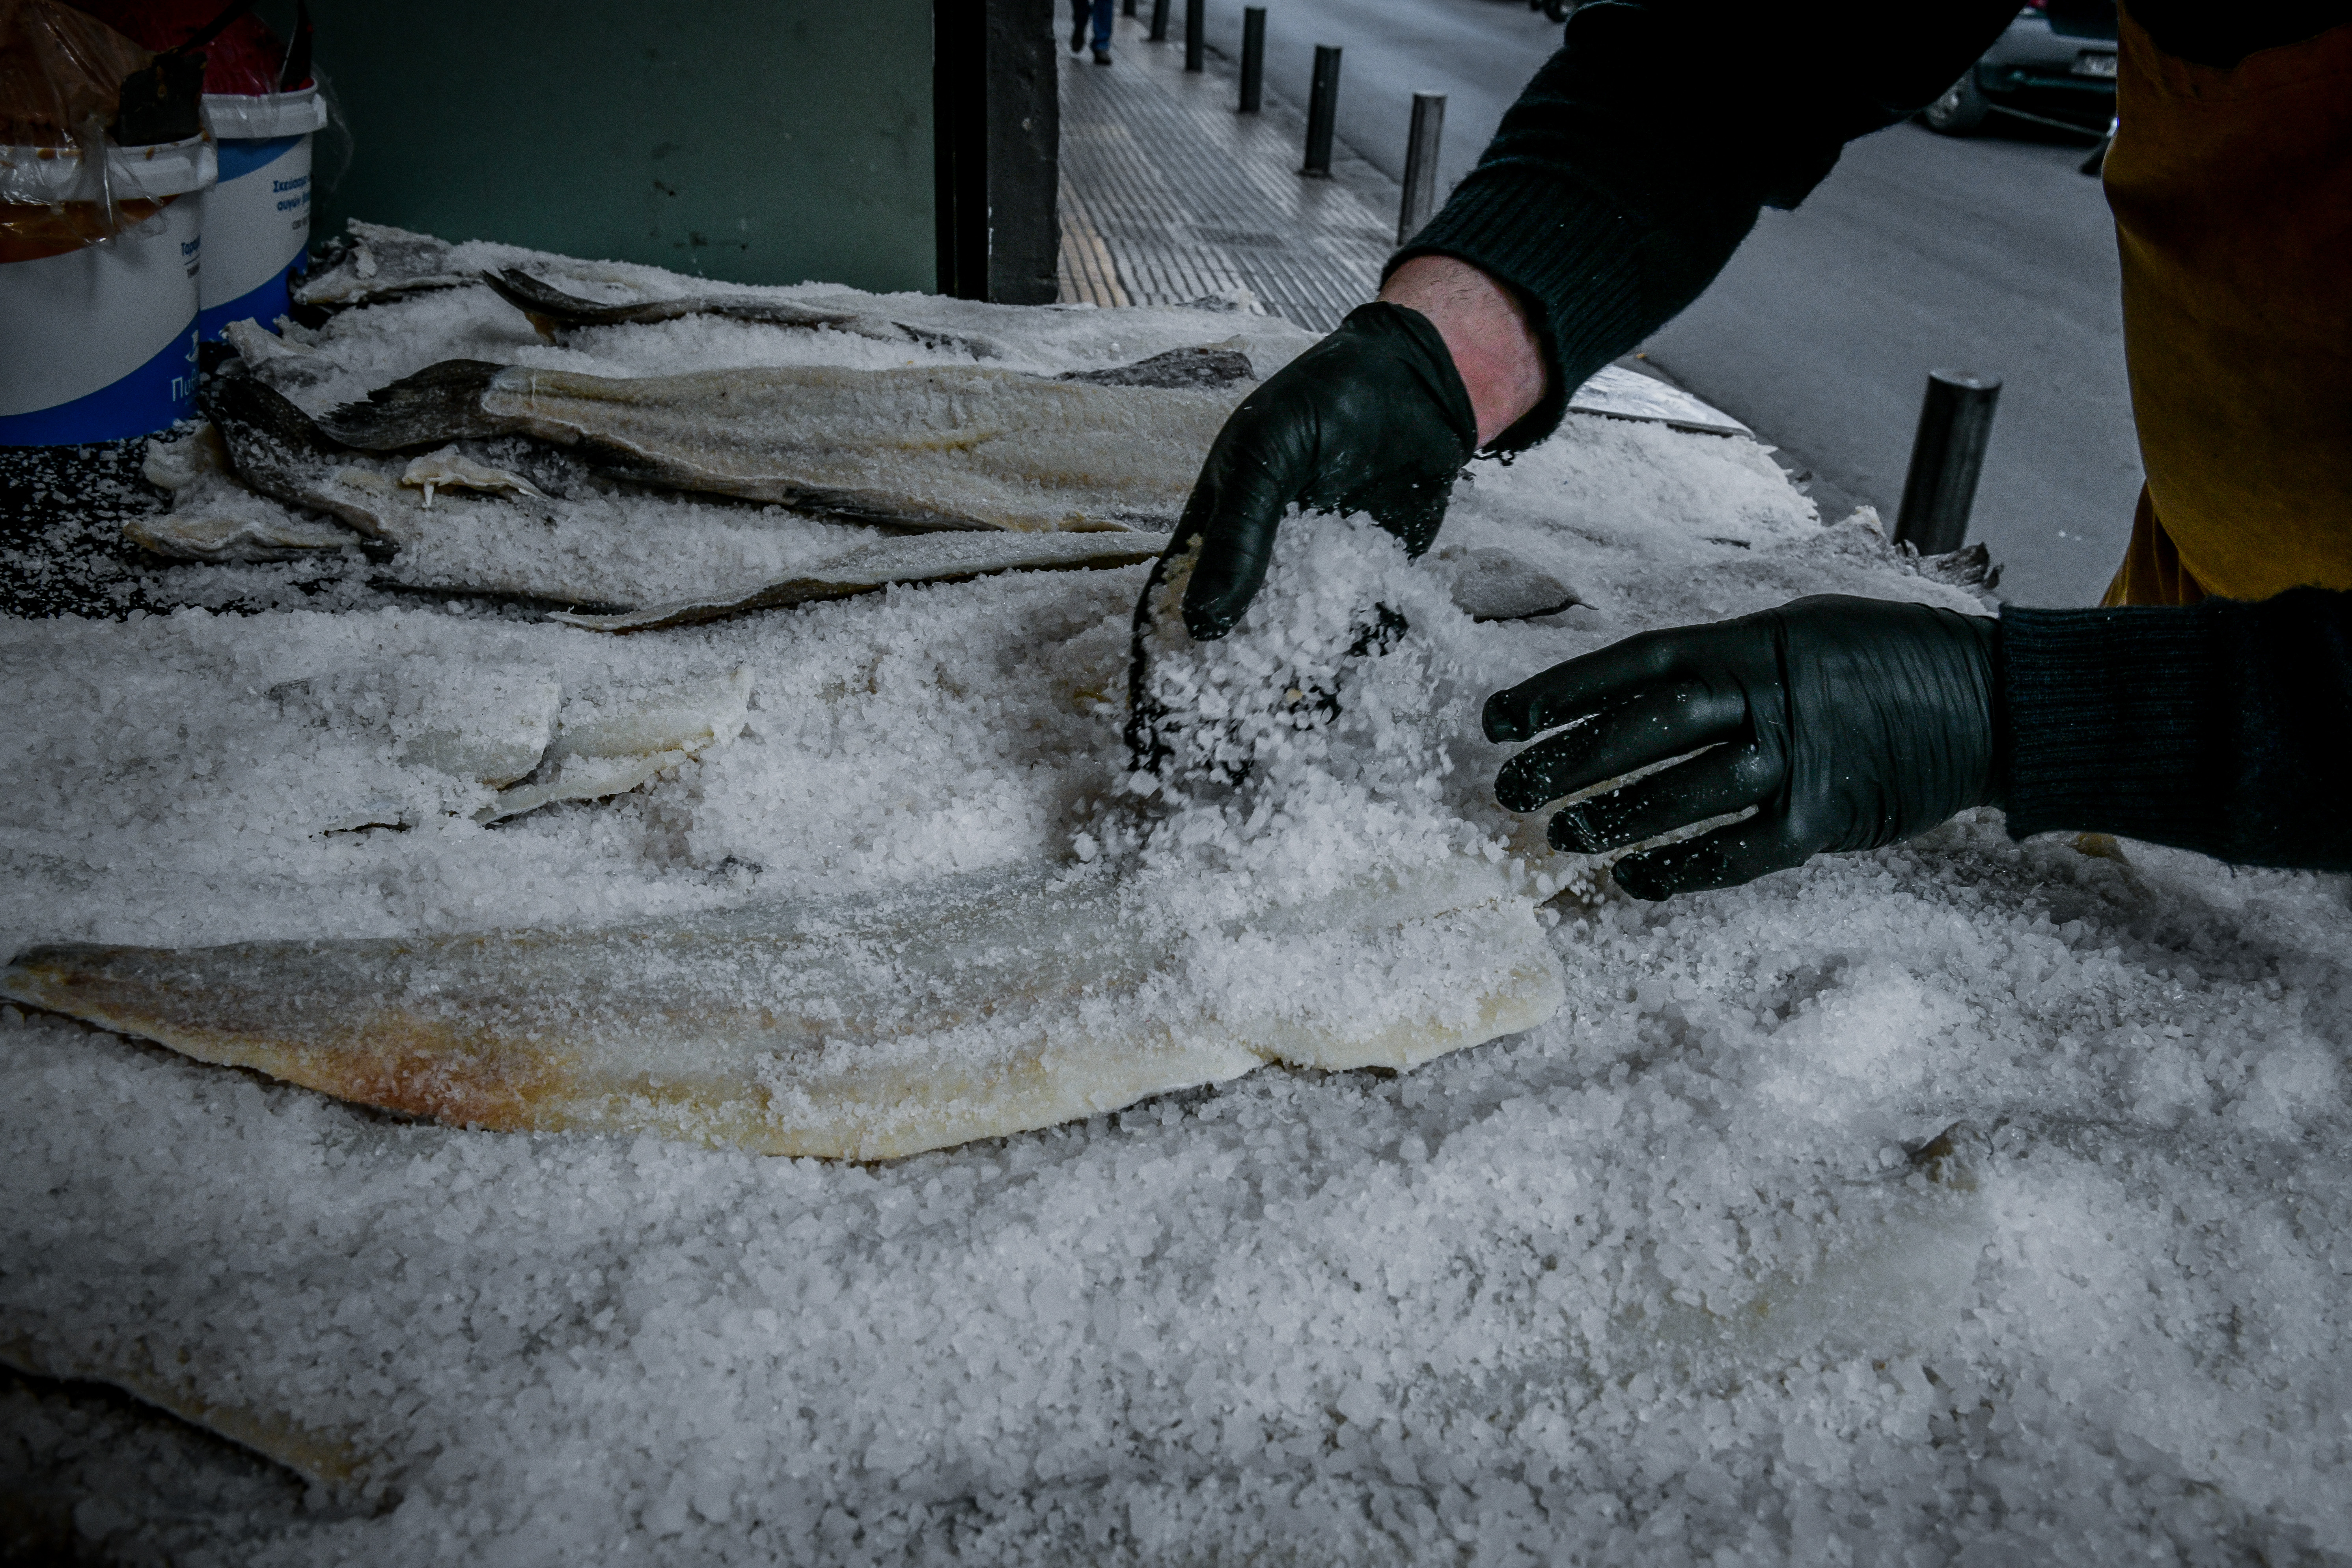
516	731
452	495
1210	364
384	263
1616	392
380	262
451	469
918	448
282	454
198	455
860	1027
1496	585
236	534
548	307
606	744
339	1463
933	448
554	311
284	362
925	558
279	452
213	519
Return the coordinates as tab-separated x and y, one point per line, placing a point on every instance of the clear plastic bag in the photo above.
96	133
61	74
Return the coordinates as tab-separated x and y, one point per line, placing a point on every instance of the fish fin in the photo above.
549	307
272	444
440	403
1176	368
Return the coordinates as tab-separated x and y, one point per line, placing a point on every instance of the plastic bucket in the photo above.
257	219
98	339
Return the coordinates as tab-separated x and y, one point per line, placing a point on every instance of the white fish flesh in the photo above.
916	447
487	725
863	1027
518	732
606	744
450	469
237	532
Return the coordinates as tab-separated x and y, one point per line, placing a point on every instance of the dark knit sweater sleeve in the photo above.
2225	728
1635	161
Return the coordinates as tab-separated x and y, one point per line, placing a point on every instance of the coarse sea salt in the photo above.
1692	1271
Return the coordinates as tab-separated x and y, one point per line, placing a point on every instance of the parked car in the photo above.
2055	65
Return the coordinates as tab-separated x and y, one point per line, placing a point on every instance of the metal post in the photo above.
1252	57
1159	21
1947	456
1196	28
1421	163
1127	7
1322	111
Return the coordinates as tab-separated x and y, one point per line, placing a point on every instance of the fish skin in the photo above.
1208	366
854	1027
926	557
383	263
277	450
540	300
440	403
335	1462
917	447
555	312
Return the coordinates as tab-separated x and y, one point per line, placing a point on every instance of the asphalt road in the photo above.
1990	254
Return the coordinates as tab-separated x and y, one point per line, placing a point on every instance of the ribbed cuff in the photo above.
1574	257
2112	717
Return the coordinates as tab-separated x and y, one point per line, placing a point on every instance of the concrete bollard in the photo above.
1322	111
1420	164
1196	28
1946	457
1253	58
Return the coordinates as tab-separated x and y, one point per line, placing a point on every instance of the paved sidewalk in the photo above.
1168	195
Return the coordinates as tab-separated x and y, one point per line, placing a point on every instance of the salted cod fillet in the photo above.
857	1027
552	312
277	450
917	447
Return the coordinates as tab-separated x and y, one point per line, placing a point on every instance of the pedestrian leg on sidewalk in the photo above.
1080	12
1102	29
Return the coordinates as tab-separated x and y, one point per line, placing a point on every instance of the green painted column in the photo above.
759	142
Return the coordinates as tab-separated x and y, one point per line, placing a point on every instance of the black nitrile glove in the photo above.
1374	418
1848	723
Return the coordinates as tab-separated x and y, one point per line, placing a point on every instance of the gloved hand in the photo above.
1374	418
1848	723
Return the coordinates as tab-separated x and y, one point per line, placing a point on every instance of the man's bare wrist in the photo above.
1485	330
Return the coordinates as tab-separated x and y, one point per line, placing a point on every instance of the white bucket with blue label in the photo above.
257	219
98	337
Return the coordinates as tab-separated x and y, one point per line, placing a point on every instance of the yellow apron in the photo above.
2232	196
